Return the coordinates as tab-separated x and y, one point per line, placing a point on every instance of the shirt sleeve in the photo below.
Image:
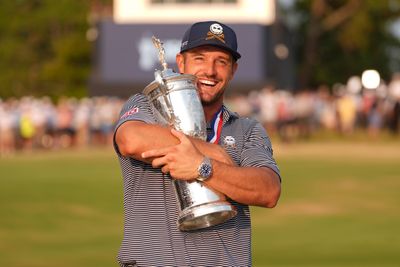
257	150
136	108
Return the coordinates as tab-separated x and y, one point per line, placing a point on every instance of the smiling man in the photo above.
214	68
238	153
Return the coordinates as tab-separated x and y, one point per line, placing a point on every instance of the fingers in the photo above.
181	136
158	162
175	160
155	153
165	169
163	151
161	162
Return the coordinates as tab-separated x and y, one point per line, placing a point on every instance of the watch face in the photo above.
205	170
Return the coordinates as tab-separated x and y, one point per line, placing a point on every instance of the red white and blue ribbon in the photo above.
216	127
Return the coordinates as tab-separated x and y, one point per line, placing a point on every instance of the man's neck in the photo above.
209	111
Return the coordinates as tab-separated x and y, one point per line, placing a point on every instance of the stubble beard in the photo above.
216	99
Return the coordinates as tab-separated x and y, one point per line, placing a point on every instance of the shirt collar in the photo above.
227	114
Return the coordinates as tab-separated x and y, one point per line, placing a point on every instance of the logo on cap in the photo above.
217	32
185	43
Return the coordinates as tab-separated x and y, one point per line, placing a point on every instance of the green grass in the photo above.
340	207
60	209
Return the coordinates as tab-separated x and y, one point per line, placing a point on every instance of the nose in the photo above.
210	68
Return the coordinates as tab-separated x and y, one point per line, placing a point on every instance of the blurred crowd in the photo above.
38	123
341	109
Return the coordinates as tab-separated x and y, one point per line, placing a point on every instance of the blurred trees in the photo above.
44	50
43	47
335	39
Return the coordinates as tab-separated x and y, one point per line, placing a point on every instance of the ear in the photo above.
180	62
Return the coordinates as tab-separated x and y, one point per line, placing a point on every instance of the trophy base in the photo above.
206	215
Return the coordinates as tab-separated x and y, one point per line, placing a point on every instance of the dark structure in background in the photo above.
125	58
280	59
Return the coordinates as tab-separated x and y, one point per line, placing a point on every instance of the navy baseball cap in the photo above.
211	33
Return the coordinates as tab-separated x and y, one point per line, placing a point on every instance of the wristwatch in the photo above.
204	170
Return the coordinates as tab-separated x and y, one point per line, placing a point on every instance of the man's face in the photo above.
214	68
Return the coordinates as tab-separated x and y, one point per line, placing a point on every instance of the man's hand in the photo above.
180	161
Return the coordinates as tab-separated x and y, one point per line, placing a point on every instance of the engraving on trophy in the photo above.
181	191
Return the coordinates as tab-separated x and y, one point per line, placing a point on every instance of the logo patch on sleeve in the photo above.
130	112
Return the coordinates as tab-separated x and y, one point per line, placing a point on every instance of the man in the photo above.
240	156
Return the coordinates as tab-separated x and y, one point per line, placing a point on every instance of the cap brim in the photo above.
235	54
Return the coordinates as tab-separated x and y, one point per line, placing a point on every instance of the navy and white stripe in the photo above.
151	236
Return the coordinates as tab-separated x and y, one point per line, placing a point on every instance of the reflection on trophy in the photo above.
176	103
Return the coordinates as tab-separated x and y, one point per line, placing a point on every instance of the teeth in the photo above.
207	82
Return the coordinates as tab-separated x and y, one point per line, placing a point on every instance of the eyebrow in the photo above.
202	52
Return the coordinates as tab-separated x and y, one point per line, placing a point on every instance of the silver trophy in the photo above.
176	103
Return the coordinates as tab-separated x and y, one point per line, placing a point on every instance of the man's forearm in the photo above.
213	151
135	137
247	185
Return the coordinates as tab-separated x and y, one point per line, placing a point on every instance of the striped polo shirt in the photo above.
151	236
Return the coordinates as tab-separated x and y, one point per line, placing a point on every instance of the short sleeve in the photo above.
136	108
257	150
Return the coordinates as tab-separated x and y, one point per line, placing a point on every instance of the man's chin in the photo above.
209	102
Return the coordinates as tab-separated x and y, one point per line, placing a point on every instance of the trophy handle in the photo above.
159	78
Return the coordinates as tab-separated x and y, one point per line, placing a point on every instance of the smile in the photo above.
207	82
